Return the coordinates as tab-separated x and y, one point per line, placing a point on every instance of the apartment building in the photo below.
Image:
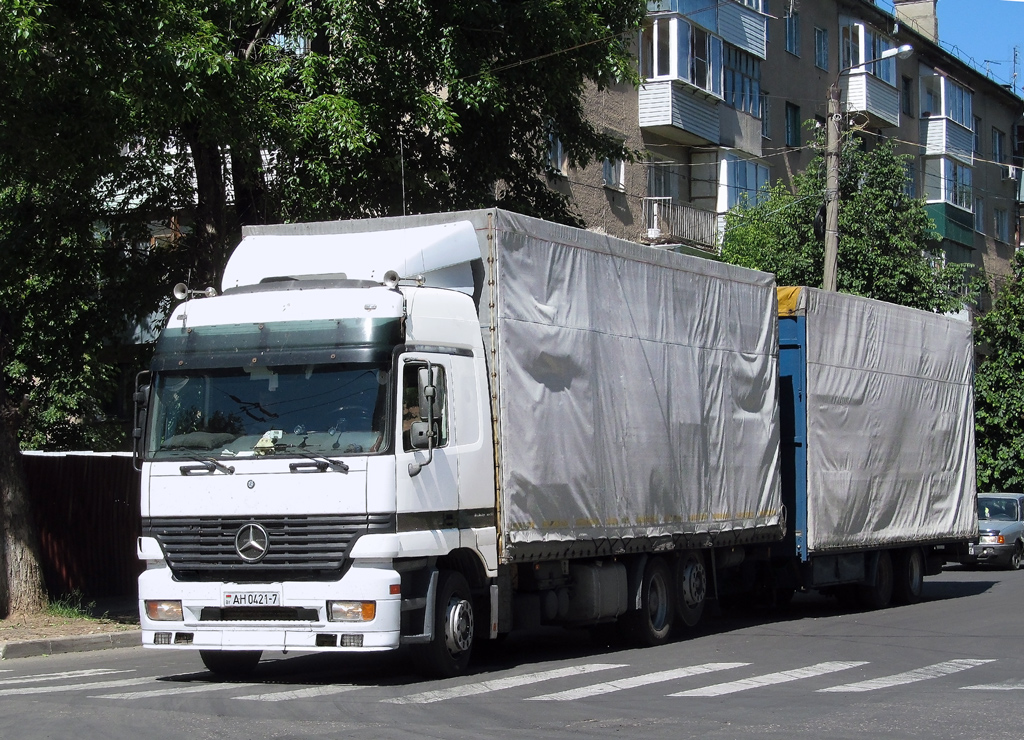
729	88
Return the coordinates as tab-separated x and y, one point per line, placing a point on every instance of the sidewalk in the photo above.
113	624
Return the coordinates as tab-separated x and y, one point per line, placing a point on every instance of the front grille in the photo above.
300	548
258	614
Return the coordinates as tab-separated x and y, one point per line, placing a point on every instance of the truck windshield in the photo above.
327	409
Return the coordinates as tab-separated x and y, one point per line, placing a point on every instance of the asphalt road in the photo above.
949	667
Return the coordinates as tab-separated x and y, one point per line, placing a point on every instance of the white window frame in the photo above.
979	215
664	178
998	146
668	51
859	43
558	159
613	173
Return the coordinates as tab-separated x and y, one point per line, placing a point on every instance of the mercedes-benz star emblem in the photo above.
252	542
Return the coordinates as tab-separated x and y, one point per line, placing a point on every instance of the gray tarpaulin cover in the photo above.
890	423
637	388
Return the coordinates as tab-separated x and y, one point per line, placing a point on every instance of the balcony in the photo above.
952	223
944	136
880	101
669	222
680	112
743	26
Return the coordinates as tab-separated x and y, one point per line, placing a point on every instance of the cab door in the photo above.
426	479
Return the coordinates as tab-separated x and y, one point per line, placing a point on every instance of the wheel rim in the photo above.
657	602
695	584
458	629
916	574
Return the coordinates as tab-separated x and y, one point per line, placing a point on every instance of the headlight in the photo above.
164	611
351	611
991	539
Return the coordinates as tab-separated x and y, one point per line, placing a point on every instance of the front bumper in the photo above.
976	553
314	632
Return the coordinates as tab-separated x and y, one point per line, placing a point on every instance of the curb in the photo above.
58	645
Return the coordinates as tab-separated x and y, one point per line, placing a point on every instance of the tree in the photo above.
999	389
887	247
189	119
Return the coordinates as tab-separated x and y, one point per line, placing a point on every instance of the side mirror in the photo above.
427	392
419	435
141	400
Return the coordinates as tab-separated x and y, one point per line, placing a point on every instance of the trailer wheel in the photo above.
878	595
231	662
447	654
651	625
908	576
691	587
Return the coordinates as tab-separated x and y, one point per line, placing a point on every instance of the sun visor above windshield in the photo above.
442	253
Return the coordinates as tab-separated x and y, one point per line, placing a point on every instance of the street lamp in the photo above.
832	139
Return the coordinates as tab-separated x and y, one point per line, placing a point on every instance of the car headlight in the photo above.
351	611
164	611
991	539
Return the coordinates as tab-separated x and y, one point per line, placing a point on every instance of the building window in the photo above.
821	48
907	97
940	96
747	181
910	179
949	181
766	129
792	125
558	159
979	215
757	5
671	48
793	33
1002	224
860	43
615	174
742	81
664	179
998	146
977	135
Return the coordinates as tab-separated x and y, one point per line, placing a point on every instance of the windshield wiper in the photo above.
320	462
208	464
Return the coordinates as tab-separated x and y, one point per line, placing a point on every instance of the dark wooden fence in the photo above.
86	507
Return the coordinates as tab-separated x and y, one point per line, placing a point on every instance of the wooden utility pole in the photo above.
832	143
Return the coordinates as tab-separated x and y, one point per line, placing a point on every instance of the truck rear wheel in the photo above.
879	594
447	654
691	583
651	625
231	662
908	576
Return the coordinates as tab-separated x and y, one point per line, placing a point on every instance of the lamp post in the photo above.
832	143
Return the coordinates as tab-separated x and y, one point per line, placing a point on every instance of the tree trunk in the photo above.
210	226
21	576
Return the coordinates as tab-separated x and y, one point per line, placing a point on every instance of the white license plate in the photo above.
252	598
970	549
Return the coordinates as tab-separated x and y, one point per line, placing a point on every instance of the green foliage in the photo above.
191	119
999	389
887	249
71	606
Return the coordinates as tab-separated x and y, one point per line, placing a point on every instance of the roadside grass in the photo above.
73	606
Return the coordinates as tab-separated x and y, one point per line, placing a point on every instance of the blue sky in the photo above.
985	30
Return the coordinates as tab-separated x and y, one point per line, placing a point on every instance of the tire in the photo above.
651	625
1016	558
448	652
231	662
908	576
691	581
878	595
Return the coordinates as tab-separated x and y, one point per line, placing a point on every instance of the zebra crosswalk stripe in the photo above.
40	677
635	681
920	674
1014	684
173	690
74	687
770	679
498	684
307	693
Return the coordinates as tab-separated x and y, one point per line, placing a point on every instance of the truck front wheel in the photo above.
447	654
230	662
652	624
